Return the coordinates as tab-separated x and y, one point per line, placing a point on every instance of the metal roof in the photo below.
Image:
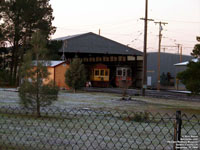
186	62
93	43
48	63
66	37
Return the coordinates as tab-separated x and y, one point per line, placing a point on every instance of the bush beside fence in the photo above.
63	129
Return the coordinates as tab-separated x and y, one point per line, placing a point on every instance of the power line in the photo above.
114	23
182	21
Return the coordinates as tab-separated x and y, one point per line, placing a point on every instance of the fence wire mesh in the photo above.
64	129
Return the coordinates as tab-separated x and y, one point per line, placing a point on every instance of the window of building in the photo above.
124	58
120	58
98	59
111	58
90	59
85	59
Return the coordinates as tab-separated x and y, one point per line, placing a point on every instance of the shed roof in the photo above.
186	62
93	43
67	37
49	63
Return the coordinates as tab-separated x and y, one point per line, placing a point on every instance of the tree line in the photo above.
19	19
25	30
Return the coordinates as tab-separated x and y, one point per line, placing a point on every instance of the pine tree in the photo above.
53	48
75	76
33	92
20	19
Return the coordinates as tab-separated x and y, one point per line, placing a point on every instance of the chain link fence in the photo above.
85	129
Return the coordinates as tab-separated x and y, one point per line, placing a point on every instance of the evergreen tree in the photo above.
191	76
196	51
53	48
33	92
75	76
20	19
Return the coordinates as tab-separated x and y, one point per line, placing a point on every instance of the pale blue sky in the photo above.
120	21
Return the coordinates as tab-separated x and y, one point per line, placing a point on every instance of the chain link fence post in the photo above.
175	134
177	130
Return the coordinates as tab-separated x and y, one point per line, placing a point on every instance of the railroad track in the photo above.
151	93
174	95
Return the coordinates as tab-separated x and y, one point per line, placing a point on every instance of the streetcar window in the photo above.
106	72
129	72
102	72
96	72
119	72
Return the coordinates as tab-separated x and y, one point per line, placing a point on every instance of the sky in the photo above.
120	21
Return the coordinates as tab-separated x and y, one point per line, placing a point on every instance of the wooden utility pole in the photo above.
159	46
178	46
144	71
181	51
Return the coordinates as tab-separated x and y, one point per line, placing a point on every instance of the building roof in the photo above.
49	63
186	62
93	43
66	37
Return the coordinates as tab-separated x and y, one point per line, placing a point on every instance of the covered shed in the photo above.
57	71
95	50
179	68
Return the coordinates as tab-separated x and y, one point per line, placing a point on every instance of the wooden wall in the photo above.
59	77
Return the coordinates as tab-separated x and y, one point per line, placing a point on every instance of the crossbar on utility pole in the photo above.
159	46
144	72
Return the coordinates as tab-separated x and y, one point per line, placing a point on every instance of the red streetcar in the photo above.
123	74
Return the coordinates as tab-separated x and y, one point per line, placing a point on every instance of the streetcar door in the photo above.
123	73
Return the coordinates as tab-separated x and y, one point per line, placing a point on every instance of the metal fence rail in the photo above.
63	129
